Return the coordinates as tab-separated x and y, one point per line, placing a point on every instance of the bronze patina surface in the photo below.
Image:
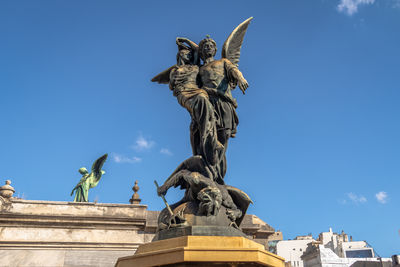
203	85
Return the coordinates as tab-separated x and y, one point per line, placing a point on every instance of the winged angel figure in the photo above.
218	78
88	180
204	89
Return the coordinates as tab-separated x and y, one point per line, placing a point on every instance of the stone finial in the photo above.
135	197
7	190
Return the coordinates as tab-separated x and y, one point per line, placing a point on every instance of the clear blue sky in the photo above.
318	141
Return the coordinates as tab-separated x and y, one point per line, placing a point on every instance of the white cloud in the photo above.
123	159
143	143
396	3
381	197
350	7
166	151
356	199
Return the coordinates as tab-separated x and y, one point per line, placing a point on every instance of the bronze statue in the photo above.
194	176
218	78
88	180
182	80
205	91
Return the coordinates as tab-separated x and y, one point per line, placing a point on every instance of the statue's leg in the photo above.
203	115
80	195
223	136
76	198
226	127
195	138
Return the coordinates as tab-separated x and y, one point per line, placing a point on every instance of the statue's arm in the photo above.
76	187
182	40
173	180
235	75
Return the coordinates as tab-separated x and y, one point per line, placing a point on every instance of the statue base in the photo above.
198	230
202	251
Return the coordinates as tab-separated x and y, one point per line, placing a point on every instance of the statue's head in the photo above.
184	56
207	48
83	171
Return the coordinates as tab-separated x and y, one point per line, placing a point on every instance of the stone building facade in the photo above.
329	249
292	250
54	233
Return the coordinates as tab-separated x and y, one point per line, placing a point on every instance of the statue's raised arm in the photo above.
190	45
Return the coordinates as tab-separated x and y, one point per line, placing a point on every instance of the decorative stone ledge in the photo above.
56	233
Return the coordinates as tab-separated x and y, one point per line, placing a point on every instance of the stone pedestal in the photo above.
198	230
202	251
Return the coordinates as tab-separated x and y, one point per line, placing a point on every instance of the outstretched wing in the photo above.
232	45
98	164
163	77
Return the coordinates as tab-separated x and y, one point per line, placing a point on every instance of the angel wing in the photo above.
97	165
163	77
232	45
